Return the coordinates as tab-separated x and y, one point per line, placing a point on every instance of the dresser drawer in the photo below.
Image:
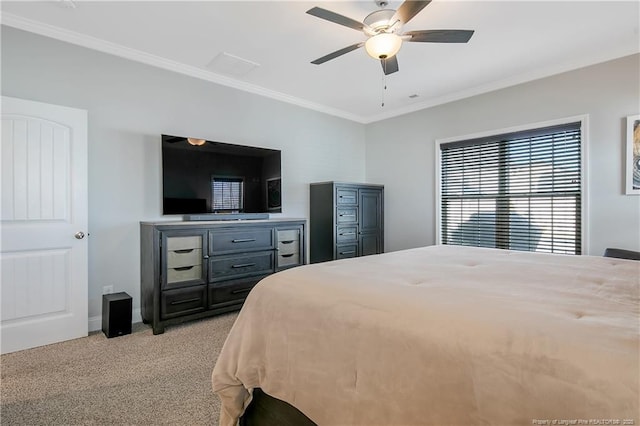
346	215
184	273
240	240
288	259
184	243
232	293
346	196
288	235
184	257
344	252
288	241
183	301
346	234
289	246
230	267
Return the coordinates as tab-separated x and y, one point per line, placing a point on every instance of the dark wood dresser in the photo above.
196	269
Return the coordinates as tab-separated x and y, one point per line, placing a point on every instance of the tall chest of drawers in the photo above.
346	220
191	270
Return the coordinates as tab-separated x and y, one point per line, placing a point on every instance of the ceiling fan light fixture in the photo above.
383	45
196	142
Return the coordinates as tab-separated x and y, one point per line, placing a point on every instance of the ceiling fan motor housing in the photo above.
380	22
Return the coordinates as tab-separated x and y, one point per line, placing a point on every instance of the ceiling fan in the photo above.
383	28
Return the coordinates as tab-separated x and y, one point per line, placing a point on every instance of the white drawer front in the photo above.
288	241
288	247
288	259
289	235
183	243
186	273
185	257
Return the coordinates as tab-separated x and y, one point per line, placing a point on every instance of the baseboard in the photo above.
95	323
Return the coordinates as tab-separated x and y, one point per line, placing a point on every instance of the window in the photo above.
517	191
227	194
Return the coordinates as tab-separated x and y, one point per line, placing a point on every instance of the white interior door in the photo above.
43	222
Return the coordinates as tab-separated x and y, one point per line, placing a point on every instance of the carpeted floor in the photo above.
137	379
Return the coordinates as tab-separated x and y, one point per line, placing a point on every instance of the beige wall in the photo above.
400	151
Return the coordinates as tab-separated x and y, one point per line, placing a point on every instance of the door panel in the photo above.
44	204
371	221
370	210
44	290
369	244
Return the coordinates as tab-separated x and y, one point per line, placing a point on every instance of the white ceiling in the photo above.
514	42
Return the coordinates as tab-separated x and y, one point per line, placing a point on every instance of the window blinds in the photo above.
518	191
227	194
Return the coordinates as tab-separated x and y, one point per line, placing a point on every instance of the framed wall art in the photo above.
632	158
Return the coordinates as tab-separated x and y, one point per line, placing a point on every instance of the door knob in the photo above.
79	235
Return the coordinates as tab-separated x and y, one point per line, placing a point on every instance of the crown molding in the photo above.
83	40
595	58
100	45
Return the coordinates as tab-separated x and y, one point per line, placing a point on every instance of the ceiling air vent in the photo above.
226	63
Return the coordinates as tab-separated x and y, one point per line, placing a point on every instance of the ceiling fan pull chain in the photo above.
384	81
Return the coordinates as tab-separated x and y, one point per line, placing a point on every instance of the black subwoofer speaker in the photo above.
116	314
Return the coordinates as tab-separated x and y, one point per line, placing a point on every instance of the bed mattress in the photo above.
441	335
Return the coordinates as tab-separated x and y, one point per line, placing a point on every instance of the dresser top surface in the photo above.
228	222
338	183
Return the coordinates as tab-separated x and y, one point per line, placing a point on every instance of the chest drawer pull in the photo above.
241	290
243	240
180	302
183	268
287	242
287	255
183	251
243	265
347	233
348	252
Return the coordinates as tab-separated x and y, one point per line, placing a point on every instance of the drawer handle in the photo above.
348	252
243	240
242	290
287	255
180	302
347	215
348	233
243	265
287	242
183	251
183	268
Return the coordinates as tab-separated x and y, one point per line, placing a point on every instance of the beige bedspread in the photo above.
441	335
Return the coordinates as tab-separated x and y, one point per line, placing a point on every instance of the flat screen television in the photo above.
207	177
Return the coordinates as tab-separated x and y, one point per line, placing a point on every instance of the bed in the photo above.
441	335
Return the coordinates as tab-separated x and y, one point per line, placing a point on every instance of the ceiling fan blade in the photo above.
389	65
440	36
409	9
335	18
337	53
